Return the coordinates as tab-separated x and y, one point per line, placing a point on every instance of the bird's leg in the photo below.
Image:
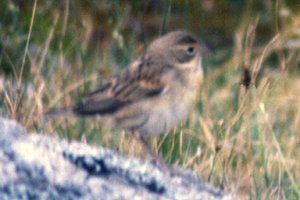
155	157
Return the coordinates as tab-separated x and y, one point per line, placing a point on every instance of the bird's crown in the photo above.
176	47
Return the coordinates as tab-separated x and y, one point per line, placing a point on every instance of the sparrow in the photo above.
155	93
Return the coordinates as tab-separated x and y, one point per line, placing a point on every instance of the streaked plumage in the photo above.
156	92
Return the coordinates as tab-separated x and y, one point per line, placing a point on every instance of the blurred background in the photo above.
245	134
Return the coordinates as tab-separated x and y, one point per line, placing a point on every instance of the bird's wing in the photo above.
135	84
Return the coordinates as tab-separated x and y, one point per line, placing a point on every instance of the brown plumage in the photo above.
155	93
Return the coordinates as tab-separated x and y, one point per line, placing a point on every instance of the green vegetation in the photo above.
244	135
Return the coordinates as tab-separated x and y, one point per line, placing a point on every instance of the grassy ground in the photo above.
244	135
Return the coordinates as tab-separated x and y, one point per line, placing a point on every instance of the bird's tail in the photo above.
59	112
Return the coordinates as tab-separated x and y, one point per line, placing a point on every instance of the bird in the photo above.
154	94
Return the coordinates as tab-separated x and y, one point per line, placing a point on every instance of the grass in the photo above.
243	136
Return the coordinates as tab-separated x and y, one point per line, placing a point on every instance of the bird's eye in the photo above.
190	51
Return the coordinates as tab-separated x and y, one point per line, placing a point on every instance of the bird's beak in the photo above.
206	49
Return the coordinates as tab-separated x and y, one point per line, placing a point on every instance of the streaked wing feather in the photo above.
131	86
104	106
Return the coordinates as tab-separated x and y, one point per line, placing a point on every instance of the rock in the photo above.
36	166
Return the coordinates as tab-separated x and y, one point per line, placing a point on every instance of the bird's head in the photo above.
181	49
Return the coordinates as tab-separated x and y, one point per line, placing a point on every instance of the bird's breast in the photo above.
171	109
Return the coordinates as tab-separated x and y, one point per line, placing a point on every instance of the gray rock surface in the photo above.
35	166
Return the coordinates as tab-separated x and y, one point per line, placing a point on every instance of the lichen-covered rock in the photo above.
35	166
